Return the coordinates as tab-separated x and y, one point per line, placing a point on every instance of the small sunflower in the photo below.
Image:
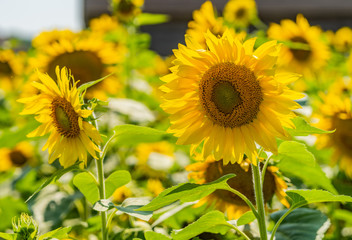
51	37
18	156
88	57
342	40
335	113
58	109
11	68
155	186
205	19
240	12
121	194
225	201
312	52
228	97
126	10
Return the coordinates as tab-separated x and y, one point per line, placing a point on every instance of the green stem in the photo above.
101	186
265	167
244	198
279	222
259	197
240	232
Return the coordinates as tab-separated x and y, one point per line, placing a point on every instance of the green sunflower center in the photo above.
85	66
17	158
230	95
65	118
300	54
243	182
5	69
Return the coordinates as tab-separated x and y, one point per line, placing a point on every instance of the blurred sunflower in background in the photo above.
227	202
20	155
342	39
127	10
58	108
240	13
205	19
226	98
307	51
50	37
335	113
11	70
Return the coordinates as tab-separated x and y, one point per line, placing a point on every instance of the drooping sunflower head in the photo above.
234	206
58	107
335	113
11	68
50	37
89	58
228	97
18	156
126	10
240	13
205	19
306	51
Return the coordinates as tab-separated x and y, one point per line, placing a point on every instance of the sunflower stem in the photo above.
259	197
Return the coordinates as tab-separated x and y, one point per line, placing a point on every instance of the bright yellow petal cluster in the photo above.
228	97
59	110
309	53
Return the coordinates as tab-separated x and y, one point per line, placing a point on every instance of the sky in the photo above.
27	18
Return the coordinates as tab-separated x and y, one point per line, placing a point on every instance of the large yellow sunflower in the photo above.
18	156
240	12
312	52
205	19
228	97
335	112
58	109
225	201
11	69
89	58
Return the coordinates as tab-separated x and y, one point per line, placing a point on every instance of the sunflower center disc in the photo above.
343	135
17	158
65	118
240	13
85	66
230	95
300	54
243	182
5	69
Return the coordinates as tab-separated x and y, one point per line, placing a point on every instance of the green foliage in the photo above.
150	18
186	192
149	235
294	159
115	180
304	129
9	207
59	233
302	223
133	135
246	218
84	86
212	222
10	137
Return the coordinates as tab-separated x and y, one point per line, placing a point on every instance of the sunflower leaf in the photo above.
295	160
246	218
132	134
59	233
87	185
186	192
84	86
151	18
115	180
304	196
150	235
53	178
303	128
212	222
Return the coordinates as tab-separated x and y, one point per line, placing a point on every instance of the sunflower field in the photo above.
244	132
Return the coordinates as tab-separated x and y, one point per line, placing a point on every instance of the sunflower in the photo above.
50	37
342	39
11	68
225	201
205	19
121	193
155	186
228	97
59	110
126	10
240	12
18	156
308	52
88	57
335	113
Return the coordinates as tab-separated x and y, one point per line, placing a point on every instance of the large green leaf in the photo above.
295	160
8	236
87	185
149	235
246	218
133	134
186	192
303	197
56	176
115	180
59	233
304	129
302	223
212	222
